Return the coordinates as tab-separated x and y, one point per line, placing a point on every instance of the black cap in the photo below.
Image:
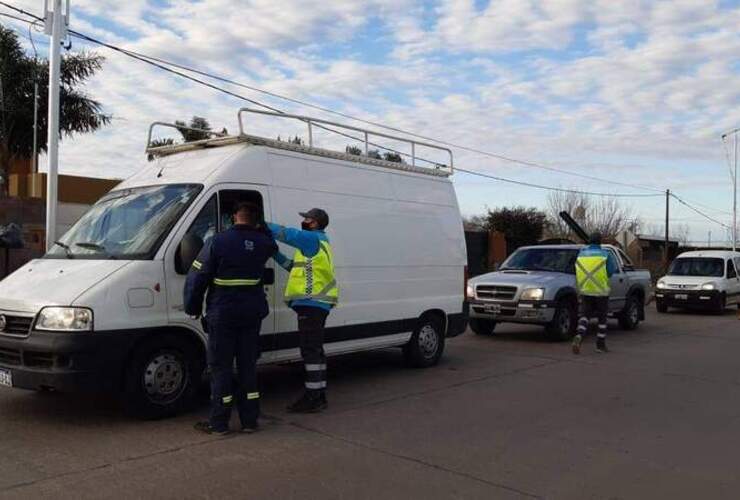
318	215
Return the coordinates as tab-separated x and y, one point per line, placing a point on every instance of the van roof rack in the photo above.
217	139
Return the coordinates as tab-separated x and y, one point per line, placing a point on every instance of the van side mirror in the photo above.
268	278
187	252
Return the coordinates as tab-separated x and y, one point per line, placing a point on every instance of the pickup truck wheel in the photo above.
163	377
482	326
661	307
629	318
427	343
563	323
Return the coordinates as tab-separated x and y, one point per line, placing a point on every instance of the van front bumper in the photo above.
693	299
538	312
67	362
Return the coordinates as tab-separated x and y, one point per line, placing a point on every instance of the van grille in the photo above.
492	292
16	325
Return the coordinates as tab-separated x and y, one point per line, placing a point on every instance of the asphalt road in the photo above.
509	416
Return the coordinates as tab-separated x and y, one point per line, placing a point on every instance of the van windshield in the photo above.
557	260
126	223
697	266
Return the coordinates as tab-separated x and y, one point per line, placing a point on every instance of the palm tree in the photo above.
79	113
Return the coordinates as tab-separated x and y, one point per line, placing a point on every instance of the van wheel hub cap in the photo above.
163	377
428	340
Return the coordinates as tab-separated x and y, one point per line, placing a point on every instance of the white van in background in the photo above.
103	310
706	279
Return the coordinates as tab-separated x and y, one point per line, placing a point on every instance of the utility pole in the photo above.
56	27
667	212
732	164
35	158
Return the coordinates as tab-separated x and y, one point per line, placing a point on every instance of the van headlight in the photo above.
661	285
65	319
708	286
533	294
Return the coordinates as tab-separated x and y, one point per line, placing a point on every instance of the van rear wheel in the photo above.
163	377
427	343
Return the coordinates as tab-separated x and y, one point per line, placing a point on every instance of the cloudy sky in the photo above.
636	92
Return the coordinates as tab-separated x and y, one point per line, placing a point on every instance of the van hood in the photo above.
44	282
518	278
690	280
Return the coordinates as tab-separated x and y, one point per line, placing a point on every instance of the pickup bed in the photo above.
537	285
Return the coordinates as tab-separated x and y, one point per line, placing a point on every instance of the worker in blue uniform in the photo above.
311	291
229	269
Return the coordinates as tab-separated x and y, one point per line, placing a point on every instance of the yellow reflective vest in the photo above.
592	278
313	278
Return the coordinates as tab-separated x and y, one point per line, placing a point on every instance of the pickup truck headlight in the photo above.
469	292
533	294
65	319
708	286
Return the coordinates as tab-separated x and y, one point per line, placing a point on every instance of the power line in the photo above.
681	201
550	188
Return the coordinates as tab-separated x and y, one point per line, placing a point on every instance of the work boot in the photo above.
206	428
250	428
310	402
601	345
577	343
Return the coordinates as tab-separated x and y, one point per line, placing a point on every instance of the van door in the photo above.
733	283
213	215
619	284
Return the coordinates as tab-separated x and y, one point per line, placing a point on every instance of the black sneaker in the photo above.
309	403
250	429
206	428
601	346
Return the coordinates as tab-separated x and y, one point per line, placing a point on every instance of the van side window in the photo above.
230	198
731	272
205	225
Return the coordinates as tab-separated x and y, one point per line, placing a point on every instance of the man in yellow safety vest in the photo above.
594	267
312	293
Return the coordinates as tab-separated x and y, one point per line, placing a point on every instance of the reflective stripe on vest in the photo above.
313	278
235	282
591	276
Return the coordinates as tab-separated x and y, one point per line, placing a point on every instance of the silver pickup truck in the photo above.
537	285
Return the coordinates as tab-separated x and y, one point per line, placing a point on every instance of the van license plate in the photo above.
492	308
681	296
6	378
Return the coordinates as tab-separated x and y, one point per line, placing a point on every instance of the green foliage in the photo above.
196	122
353	150
394	157
521	226
79	113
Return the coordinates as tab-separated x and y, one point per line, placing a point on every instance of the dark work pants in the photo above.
229	338
593	307
311	323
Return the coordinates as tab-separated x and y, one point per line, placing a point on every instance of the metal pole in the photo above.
667	212
53	130
35	158
734	201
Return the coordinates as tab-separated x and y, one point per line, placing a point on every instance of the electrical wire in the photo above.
688	205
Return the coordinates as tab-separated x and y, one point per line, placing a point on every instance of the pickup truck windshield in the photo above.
542	259
697	266
126	224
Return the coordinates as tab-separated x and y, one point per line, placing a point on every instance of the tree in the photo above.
79	113
353	150
475	223
604	214
196	122
521	226
394	157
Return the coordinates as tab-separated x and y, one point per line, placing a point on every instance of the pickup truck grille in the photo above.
492	292
16	325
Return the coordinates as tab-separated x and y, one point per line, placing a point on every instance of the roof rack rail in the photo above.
366	134
177	127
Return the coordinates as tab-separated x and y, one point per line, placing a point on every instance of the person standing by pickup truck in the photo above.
594	267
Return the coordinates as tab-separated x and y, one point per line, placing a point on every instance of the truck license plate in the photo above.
6	378
492	308
682	296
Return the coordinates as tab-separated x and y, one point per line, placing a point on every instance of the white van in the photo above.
706	279
103	310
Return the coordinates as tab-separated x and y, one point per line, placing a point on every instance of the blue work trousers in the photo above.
230	337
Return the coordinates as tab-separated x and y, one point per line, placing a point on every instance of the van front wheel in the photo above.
163	377
427	343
